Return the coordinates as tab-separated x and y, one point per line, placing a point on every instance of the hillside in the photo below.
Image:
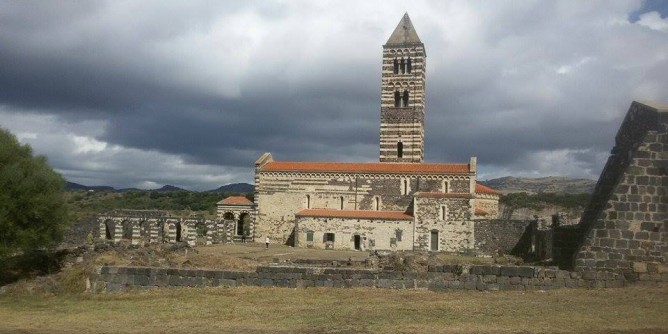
235	188
550	184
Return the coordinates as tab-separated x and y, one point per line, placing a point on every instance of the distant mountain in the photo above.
550	184
71	186
167	188
235	188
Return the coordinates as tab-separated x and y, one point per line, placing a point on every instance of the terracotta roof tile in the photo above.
236	200
363	214
443	195
481	189
367	167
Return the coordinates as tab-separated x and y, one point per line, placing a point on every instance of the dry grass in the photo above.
276	310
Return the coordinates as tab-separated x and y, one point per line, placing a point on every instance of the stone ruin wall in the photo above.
437	278
155	230
625	227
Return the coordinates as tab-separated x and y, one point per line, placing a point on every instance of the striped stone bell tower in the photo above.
402	96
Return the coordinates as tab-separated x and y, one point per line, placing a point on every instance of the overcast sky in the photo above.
190	93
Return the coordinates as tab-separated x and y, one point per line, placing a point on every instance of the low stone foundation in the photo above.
439	278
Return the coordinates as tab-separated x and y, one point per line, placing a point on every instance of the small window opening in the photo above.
308	201
341	202
400	150
410	65
329	237
403	65
376	203
397	99
405	99
444	212
309	236
445	186
398	234
404	187
396	66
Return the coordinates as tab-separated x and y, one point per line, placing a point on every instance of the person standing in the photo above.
266	242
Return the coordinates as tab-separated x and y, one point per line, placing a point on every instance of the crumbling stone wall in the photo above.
625	227
438	278
155	229
498	236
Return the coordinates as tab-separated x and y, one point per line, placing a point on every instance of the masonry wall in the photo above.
403	124
280	195
375	234
438	278
625	227
488	203
493	237
455	232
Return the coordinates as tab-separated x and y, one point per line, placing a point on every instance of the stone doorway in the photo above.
357	239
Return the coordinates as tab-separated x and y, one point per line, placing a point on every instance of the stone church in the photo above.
398	203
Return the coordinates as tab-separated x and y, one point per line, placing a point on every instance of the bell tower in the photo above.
402	96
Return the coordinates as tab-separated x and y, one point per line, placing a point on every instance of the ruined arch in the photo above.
243	224
127	229
179	232
109	227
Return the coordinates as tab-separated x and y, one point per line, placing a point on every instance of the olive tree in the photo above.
33	212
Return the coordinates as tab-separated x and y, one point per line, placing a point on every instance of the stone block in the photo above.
640	267
589	275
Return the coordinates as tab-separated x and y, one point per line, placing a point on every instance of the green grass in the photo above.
319	310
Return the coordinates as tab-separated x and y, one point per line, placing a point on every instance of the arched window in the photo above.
403	65
444	212
405	98
396	66
409	66
397	99
376	203
308	201
341	201
445	186
404	187
400	150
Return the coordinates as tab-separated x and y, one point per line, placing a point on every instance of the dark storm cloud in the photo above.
209	86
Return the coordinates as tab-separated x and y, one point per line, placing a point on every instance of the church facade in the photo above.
398	203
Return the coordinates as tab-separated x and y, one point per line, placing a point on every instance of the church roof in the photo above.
366	167
481	189
362	214
236	200
442	195
404	33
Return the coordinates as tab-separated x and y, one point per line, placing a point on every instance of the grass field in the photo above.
282	310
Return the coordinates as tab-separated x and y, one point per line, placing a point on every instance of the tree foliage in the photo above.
540	200
33	212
